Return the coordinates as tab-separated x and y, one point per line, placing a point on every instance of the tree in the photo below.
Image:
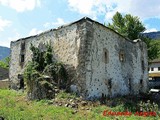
5	63
152	47
131	27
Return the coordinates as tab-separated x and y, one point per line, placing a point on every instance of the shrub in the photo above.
148	106
36	70
5	63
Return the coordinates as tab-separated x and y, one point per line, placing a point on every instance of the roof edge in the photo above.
62	26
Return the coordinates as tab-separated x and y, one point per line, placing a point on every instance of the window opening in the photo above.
122	56
105	56
152	69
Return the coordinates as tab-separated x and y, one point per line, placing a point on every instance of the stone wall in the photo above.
4	73
66	47
4	84
111	75
97	59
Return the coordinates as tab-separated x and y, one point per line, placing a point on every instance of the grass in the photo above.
15	106
65	95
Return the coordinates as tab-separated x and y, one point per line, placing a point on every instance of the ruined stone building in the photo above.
100	61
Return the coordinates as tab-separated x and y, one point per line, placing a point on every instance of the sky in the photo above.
23	18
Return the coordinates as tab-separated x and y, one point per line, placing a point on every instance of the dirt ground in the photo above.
4	84
4	75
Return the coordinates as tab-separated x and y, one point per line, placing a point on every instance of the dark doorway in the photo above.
21	81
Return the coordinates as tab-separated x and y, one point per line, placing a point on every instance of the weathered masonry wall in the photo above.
114	65
65	42
99	60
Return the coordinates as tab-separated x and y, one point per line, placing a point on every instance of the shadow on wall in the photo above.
4	73
71	78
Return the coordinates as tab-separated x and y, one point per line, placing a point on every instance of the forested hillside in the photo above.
153	35
4	52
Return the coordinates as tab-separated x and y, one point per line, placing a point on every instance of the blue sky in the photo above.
22	18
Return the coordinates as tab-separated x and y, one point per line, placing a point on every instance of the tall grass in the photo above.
15	106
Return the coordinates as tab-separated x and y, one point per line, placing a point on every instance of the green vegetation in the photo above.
157	42
42	65
131	27
153	47
15	106
64	95
5	63
4	52
128	26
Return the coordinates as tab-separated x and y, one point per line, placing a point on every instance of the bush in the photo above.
148	106
41	65
5	63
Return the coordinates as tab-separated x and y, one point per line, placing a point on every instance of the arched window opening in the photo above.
105	56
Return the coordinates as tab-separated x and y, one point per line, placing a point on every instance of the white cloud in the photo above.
150	30
9	39
17	36
84	7
58	22
21	5
47	24
34	31
4	23
5	43
142	8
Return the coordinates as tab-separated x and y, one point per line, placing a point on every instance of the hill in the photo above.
4	52
153	35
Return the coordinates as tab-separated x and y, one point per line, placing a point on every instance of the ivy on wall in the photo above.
43	65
